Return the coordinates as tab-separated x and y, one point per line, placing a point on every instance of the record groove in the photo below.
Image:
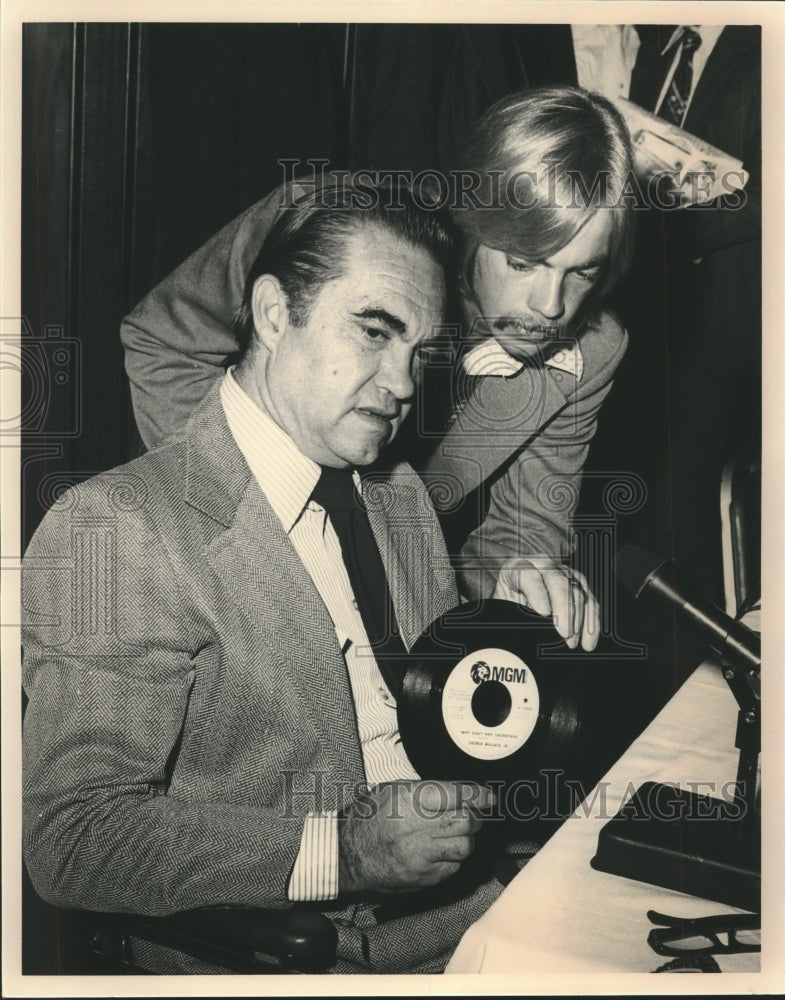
479	702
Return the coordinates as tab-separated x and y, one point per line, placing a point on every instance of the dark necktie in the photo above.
674	103
650	64
336	493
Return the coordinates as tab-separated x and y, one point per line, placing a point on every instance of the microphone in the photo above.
675	846
659	583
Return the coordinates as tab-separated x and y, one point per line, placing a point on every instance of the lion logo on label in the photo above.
480	672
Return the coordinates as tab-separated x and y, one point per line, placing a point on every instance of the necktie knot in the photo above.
690	40
335	490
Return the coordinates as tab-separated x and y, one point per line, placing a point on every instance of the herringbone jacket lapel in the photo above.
255	559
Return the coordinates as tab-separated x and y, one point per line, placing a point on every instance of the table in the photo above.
560	915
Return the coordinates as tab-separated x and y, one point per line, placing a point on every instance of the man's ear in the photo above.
270	313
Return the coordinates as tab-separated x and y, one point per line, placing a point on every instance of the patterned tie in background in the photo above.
674	103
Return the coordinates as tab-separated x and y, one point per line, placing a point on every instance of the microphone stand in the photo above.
694	843
745	685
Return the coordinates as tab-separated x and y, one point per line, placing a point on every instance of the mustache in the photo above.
532	328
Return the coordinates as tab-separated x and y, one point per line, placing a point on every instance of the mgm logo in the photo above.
481	672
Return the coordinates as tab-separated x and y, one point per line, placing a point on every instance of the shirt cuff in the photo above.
315	872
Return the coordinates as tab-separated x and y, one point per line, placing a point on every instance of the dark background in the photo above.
141	141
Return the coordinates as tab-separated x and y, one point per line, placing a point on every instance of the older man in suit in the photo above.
505	426
211	715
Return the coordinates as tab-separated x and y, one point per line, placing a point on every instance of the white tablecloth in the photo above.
559	914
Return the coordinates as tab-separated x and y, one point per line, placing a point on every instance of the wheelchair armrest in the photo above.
243	939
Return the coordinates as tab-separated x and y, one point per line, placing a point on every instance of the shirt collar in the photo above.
490	358
284	474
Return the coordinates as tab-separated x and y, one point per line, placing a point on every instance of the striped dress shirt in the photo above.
287	478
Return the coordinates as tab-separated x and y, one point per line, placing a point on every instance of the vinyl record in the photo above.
490	693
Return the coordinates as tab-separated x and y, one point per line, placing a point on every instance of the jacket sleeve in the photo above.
532	500
178	338
731	120
116	652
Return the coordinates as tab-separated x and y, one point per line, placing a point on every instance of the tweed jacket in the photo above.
188	701
506	473
519	438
